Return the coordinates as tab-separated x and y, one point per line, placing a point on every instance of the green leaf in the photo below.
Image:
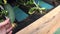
1	20
10	12
31	11
1	1
5	12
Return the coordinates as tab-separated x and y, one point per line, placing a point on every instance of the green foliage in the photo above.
2	14
1	2
5	1
32	10
29	2
25	2
10	12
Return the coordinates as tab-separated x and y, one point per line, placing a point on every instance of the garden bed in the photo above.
48	24
20	12
30	19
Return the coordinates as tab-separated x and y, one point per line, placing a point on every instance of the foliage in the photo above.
32	10
0	1
2	13
7	11
11	12
31	2
25	2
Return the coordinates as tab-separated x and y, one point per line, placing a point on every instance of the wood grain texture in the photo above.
44	25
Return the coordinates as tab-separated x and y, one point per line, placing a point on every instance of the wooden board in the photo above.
44	25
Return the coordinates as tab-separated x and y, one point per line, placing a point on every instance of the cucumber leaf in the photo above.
10	12
1	1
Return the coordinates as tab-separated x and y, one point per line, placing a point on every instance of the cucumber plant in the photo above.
37	7
3	13
32	10
8	12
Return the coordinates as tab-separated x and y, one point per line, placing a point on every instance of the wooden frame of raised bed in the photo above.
44	25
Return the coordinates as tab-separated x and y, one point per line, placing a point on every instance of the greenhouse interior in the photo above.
29	16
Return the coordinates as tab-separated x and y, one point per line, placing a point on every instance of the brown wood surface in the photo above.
44	25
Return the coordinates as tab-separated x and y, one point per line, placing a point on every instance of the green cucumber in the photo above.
10	12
